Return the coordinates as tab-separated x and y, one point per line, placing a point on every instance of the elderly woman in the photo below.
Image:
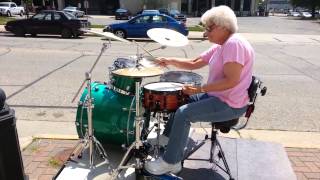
223	97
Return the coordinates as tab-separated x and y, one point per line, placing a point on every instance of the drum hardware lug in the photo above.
126	109
77	124
96	88
124	131
80	103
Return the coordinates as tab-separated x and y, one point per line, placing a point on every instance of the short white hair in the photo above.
222	16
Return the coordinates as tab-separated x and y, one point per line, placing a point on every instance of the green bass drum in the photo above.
111	115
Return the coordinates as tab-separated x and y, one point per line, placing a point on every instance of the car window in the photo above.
143	19
158	19
56	16
4	5
39	16
13	5
47	17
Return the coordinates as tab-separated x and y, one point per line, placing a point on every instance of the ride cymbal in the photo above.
139	72
167	37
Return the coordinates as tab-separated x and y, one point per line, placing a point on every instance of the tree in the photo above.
310	4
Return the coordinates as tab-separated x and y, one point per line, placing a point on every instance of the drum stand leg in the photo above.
89	138
136	147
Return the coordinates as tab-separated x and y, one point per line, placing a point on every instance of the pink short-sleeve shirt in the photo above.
235	49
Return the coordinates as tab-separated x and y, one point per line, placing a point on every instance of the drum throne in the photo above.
254	90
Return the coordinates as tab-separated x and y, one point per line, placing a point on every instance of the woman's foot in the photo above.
159	166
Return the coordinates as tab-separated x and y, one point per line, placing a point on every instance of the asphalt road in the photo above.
41	75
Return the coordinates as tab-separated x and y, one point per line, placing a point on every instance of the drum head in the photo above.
182	77
121	63
164	86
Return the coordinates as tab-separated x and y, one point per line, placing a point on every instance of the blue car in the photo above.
138	26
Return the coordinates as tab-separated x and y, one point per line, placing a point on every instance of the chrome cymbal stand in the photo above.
136	145
89	138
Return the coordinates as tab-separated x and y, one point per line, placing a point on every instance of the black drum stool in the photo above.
225	126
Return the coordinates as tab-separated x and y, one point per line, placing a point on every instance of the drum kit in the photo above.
118	112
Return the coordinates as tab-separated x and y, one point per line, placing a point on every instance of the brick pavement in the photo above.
43	158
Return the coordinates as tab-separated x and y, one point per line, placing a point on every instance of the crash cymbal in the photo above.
107	35
168	37
139	72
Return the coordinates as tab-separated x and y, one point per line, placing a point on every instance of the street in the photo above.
42	75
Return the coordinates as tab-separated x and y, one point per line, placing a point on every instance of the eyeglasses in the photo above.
210	28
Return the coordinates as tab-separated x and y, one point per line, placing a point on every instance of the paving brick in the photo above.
51	171
31	167
295	153
312	166
36	173
301	176
309	159
301	169
312	175
45	177
295	161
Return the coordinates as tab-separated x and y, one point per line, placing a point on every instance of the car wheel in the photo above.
19	31
66	33
21	13
120	33
8	13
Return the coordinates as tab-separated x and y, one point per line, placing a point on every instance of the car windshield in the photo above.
150	12
174	12
121	10
71	8
4	4
70	16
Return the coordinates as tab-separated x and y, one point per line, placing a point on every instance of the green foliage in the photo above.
4	20
306	3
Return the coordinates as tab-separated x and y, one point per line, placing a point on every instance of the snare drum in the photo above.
182	77
163	96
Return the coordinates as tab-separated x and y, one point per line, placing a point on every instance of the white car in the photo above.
10	8
74	10
294	14
306	15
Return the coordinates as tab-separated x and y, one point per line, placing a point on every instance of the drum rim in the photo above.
161	92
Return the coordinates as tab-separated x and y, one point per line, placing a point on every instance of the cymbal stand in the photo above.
89	138
136	146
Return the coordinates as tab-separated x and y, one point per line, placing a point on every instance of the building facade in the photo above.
190	7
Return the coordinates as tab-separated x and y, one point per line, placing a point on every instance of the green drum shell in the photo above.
125	83
109	115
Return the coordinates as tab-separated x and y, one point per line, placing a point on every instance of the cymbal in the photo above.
146	61
139	72
168	37
108	35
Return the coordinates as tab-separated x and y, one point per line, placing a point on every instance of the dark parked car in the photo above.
139	25
122	14
48	22
177	15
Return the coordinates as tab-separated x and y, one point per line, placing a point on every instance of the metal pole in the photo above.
89	109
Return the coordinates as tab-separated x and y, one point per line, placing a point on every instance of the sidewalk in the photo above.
44	156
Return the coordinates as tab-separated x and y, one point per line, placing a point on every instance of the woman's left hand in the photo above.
190	90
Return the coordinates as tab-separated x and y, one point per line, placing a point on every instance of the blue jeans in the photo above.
201	108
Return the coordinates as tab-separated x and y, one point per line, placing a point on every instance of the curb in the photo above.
286	138
26	141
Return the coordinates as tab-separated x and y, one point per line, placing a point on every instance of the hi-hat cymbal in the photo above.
107	35
168	37
146	61
139	72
